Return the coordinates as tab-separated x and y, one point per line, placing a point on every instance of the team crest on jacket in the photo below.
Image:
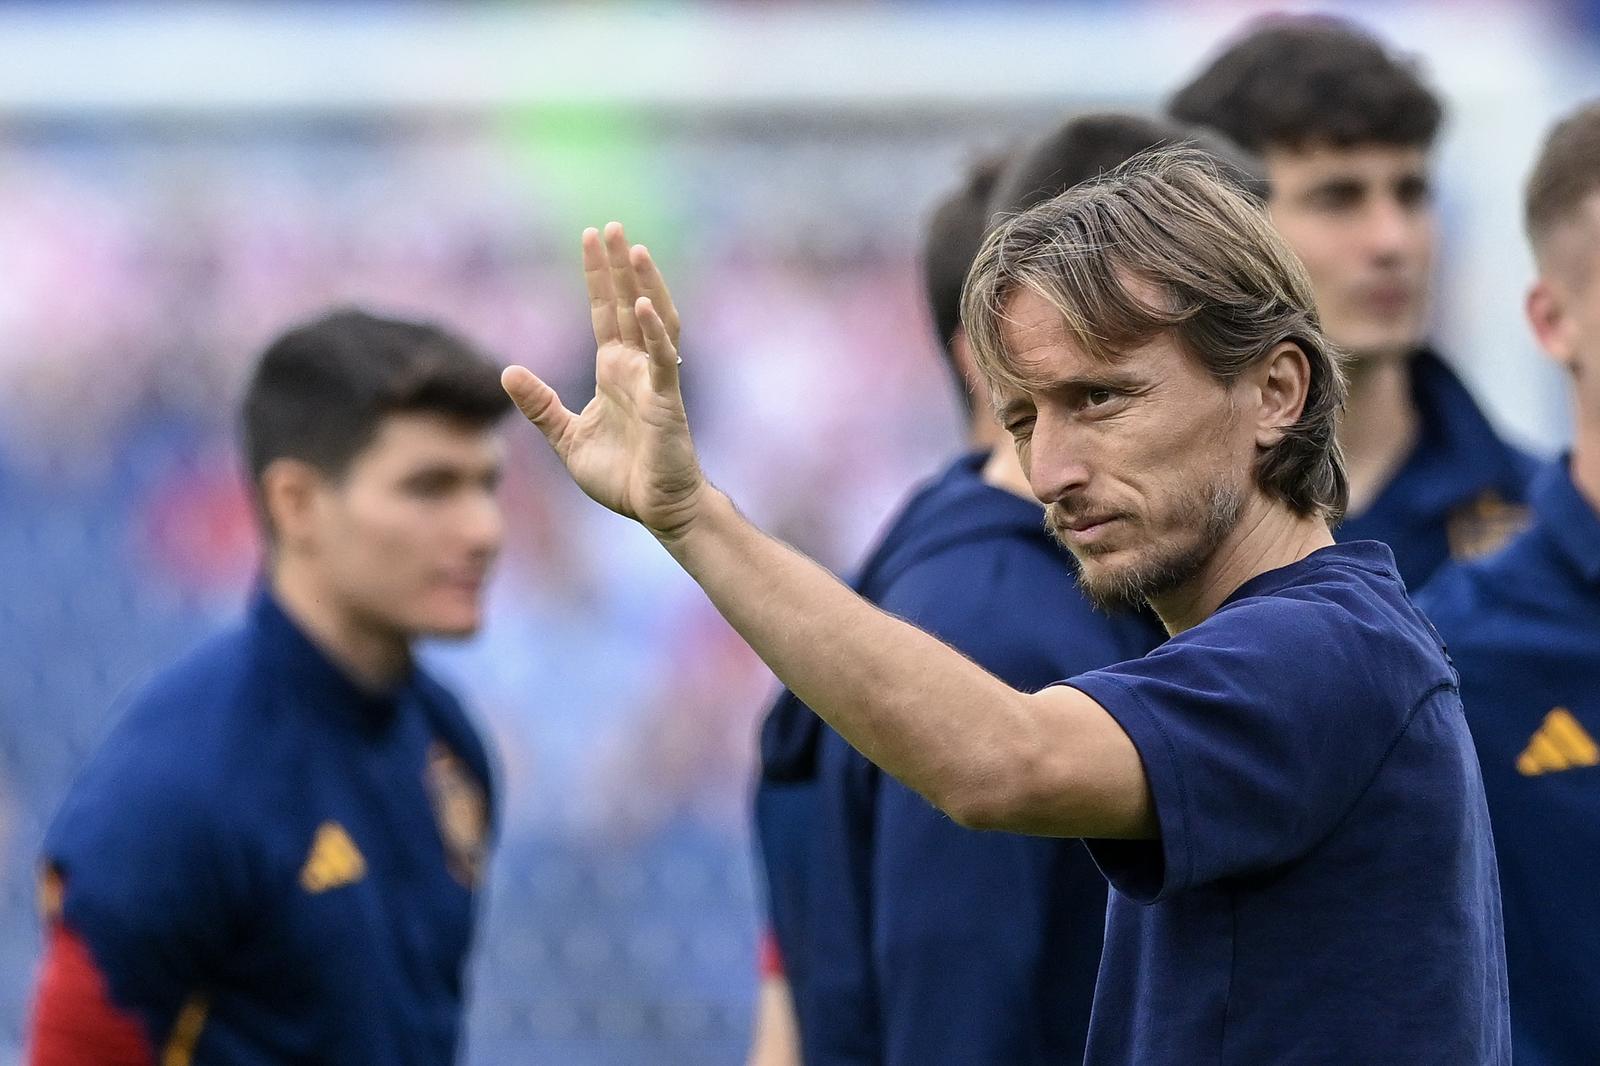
462	811
1484	525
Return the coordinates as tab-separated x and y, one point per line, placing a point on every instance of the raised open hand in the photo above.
629	449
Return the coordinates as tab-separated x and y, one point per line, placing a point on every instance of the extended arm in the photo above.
1051	763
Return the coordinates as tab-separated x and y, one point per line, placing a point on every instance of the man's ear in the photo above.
1552	325
289	500
1285	384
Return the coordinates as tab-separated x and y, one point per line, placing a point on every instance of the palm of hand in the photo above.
629	449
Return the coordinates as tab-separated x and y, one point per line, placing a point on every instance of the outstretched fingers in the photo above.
539	403
602	293
623	283
658	345
653	285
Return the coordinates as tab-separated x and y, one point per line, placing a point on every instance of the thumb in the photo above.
538	402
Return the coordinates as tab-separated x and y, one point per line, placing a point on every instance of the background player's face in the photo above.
405	538
1564	306
1144	464
1362	220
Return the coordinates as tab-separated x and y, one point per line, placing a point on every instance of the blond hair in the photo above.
1230	291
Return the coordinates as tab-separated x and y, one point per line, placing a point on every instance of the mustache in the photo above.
1056	520
1059	517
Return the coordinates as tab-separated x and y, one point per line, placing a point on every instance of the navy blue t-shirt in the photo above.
263	846
929	943
1524	628
1460	493
1323	889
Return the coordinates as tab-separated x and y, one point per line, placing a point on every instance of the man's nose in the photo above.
1056	462
484	525
1391	228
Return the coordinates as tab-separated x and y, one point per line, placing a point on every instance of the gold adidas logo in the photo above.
1560	743
334	860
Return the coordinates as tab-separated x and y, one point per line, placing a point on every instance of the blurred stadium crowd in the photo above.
150	275
144	264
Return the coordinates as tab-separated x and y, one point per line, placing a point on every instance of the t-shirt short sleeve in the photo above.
1258	730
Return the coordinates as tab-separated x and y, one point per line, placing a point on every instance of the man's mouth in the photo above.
1083	528
1389	299
465	582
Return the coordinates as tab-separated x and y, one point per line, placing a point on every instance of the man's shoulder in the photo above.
180	740
198	699
952	513
1014	585
1345	618
1470	600
1334	587
1459	593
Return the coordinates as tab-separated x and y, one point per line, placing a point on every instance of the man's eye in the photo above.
1414	192
1096	397
1339	198
1020	428
429	488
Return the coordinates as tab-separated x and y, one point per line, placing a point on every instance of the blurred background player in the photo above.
276	854
1345	130
1524	628
922	941
788	802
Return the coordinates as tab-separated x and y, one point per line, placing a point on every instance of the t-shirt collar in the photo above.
313	672
1367	554
1567	518
1458	454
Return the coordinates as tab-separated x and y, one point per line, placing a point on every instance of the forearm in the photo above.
912	705
1053	762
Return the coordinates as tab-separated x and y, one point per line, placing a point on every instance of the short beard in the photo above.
1214	512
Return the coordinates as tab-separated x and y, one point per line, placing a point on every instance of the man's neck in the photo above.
373	658
1267	536
1379	428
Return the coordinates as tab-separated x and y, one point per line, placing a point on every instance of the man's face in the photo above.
1144	464
1362	220
405	538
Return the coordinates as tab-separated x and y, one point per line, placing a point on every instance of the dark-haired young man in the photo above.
1345	130
275	856
1284	794
1524	628
920	941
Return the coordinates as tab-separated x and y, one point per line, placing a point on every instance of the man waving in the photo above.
1284	794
